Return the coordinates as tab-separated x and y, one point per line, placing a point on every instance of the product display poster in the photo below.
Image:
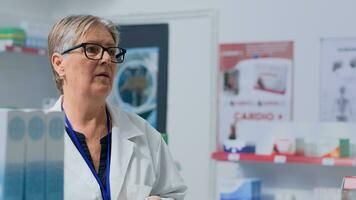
135	84
140	84
255	84
338	80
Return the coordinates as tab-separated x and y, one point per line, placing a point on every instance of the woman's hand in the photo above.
154	198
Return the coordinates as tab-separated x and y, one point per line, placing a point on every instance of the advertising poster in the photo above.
255	84
141	82
135	85
338	80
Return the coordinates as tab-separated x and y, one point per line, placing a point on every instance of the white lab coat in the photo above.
141	164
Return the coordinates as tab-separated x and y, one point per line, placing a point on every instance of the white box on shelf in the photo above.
242	188
327	193
54	155
9	42
12	158
35	155
36	33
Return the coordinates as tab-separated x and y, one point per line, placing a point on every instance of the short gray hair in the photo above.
67	31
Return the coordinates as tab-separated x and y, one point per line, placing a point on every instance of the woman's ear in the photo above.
57	63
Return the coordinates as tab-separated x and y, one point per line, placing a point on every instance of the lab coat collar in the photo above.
122	148
119	120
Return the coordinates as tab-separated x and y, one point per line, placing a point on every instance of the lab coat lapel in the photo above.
121	153
122	149
77	168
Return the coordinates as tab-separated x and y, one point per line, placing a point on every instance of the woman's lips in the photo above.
104	74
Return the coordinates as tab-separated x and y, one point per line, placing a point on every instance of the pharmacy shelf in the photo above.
24	50
24	69
283	159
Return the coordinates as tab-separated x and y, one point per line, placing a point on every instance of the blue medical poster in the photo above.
141	82
135	84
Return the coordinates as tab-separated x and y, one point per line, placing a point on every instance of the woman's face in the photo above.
90	77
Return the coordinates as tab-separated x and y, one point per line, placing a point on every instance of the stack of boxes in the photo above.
36	34
54	156
31	155
12	154
10	36
28	34
35	155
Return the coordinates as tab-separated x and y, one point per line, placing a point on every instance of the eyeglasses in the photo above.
96	52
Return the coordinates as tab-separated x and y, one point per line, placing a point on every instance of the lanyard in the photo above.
105	192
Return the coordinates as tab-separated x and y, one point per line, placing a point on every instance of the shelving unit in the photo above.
280	174
23	50
284	159
25	77
304	177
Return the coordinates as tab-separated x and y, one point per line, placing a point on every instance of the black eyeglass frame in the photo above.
83	45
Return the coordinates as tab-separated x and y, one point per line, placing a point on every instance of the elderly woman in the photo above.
109	154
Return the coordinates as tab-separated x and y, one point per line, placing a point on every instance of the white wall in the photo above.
12	12
125	7
189	101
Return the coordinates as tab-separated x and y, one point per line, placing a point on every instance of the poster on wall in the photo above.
338	80
135	85
255	84
140	84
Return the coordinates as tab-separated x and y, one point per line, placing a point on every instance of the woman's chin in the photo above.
103	90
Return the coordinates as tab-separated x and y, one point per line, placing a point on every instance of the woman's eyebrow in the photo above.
111	44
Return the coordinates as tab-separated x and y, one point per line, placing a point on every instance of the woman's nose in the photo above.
106	57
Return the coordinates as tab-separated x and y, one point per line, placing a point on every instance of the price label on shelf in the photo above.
42	52
328	161
280	159
233	157
353	163
18	49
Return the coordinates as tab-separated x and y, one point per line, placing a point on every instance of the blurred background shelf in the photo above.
26	77
284	159
24	50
